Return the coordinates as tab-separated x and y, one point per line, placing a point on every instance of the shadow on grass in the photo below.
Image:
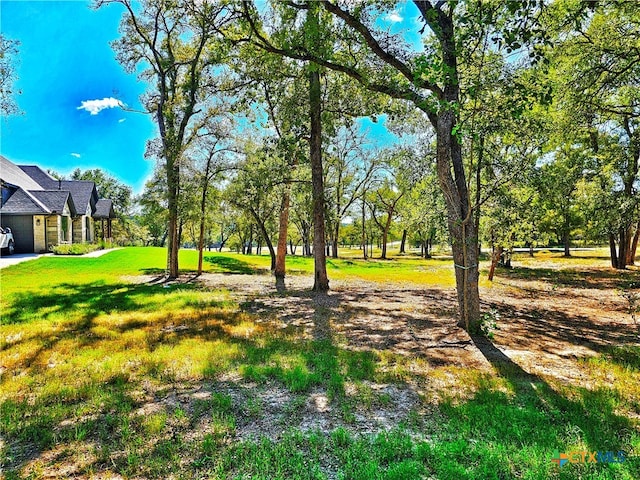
87	300
226	264
538	416
53	416
491	435
597	278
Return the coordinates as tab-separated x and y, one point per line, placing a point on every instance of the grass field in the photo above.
107	376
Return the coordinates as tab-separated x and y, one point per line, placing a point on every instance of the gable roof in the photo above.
104	209
82	191
11	173
41	177
27	180
22	202
55	200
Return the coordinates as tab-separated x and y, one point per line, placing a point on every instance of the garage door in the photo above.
22	228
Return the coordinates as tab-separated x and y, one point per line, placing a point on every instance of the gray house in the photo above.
43	211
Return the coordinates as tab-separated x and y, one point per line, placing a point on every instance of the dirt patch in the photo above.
543	327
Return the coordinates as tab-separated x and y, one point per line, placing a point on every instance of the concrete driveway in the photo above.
6	261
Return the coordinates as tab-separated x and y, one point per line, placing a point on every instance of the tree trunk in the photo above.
566	240
173	188
459	219
495	257
364	228
201	238
203	204
623	246
264	236
634	246
384	245
334	246
612	250
321	280
403	241
280	264
249	250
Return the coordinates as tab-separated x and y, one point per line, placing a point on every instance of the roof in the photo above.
40	176
104	209
11	173
55	200
81	190
38	192
23	203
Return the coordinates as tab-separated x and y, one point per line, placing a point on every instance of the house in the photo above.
43	211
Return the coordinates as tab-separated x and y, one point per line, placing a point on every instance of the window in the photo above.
65	227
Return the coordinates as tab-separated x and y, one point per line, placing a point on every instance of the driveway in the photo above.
18	258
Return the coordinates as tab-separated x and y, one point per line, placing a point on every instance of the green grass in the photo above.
104	376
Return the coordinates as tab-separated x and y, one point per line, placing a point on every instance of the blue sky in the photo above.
70	81
66	59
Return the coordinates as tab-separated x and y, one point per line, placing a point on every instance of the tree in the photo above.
381	62
347	171
180	47
153	213
598	72
254	190
383	204
8	53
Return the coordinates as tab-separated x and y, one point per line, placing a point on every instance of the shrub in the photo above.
74	248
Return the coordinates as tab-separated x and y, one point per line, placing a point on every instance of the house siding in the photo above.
53	229
39	233
79	234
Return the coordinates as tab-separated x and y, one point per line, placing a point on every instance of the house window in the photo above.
65	226
87	229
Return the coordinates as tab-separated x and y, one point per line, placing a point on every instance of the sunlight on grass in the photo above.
102	374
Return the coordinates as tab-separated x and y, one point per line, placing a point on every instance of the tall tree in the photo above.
598	67
366	51
180	47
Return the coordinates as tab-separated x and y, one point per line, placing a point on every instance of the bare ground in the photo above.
546	324
544	327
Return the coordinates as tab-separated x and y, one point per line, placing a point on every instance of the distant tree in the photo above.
153	209
598	68
109	187
347	172
383	203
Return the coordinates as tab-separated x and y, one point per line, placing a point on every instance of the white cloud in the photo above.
96	106
77	155
394	17
122	120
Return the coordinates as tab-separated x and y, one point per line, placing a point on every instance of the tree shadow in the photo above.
596	278
590	413
227	264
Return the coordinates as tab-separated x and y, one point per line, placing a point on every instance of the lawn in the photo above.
107	372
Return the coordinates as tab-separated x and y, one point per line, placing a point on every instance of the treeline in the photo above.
516	124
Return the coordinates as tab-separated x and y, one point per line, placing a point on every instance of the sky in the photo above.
72	87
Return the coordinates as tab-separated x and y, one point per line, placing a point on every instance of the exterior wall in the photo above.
39	233
87	225
79	229
53	231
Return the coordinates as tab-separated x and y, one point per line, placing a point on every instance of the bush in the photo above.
74	248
